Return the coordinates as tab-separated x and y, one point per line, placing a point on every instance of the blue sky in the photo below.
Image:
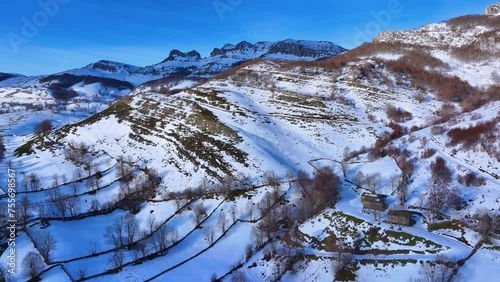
47	36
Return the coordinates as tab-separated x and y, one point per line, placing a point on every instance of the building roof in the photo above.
404	213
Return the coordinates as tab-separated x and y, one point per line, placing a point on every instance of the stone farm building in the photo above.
373	202
400	217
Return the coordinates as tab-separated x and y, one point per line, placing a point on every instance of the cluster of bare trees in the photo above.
45	243
80	154
228	185
320	191
62	205
31	182
44	127
123	231
164	237
124	173
138	188
440	196
442	269
342	260
24	211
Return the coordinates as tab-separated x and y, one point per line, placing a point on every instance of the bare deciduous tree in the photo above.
403	191
73	205
372	182
344	163
210	235
24	212
486	223
151	223
173	235
437	198
160	238
93	247
116	232
34	181
222	222
44	127
46	244
250	210
131	228
94	205
342	259
238	276
32	265
359	179
271	179
55	180
439	270
233	211
199	213
395	181
117	260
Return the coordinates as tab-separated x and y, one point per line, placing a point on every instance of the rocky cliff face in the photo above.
178	55
456	33
298	48
493	9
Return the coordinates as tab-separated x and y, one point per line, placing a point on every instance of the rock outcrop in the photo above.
493	9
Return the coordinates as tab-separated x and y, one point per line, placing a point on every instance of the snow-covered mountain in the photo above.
240	157
107	80
223	59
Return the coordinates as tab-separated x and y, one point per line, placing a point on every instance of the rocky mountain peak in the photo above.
111	66
176	55
493	9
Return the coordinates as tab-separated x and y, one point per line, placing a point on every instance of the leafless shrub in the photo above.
427	153
397	114
440	171
438	130
471	135
471	179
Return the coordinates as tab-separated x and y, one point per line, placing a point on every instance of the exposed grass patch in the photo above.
26	149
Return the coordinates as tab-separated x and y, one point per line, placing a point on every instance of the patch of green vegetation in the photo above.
345	275
202	149
328	244
207	122
26	149
302	100
212	97
409	240
233	194
353	219
387	263
452	225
